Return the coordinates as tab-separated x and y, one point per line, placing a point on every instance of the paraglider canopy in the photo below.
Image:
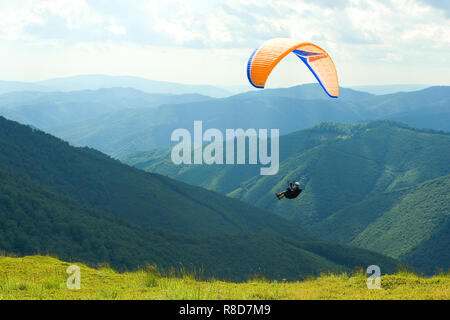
265	58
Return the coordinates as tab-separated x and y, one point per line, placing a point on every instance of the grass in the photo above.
43	277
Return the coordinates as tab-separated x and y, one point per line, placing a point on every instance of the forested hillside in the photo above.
98	181
357	179
79	204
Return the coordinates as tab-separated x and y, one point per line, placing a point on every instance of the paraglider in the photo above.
265	58
292	191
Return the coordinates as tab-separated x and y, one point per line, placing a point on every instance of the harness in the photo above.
292	193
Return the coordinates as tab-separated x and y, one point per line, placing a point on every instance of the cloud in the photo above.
363	32
443	5
232	23
117	30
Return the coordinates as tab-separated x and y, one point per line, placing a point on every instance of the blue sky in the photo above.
209	42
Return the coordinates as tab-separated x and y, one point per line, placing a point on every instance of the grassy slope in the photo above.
39	277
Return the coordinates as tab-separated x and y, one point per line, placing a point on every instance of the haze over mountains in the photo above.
48	109
120	121
95	82
124	131
388	89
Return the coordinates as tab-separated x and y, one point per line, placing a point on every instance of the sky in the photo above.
372	42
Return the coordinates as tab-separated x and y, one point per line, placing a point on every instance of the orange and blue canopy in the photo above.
265	58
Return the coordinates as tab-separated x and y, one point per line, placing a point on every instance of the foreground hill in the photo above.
35	219
364	184
79	204
39	277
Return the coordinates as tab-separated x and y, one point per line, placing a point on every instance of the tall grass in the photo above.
40	277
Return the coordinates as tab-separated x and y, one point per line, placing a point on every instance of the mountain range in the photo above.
48	109
79	204
381	185
377	185
99	81
388	89
122	125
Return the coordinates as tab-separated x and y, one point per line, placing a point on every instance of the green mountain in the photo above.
356	179
38	220
81	205
148	199
411	224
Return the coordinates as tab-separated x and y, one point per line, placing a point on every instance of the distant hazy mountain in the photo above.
44	109
79	204
124	131
119	133
239	88
94	82
382	186
11	86
428	108
393	88
312	91
119	121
